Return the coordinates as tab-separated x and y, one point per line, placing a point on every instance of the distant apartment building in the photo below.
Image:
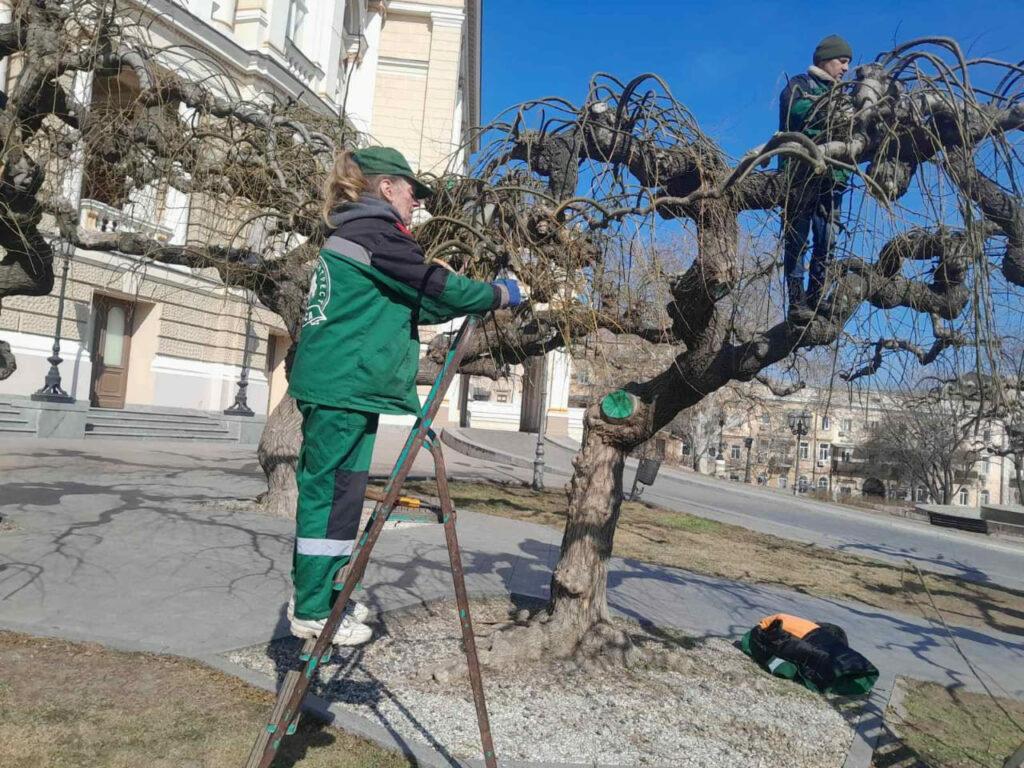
758	441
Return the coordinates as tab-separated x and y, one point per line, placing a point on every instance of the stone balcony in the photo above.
100	217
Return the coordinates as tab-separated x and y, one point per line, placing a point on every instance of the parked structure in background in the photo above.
830	457
145	337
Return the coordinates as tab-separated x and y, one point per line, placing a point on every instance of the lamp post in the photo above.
538	461
241	407
1015	439
748	442
799	425
721	439
52	392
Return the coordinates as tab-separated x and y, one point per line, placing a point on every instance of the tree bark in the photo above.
579	583
278	453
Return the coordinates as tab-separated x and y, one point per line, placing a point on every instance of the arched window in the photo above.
802	484
823	483
963	497
984	497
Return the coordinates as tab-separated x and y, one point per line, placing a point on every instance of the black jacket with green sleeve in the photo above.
797	112
359	346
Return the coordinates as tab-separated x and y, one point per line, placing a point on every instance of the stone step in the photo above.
12	429
150	425
162	434
12	418
104	415
156	428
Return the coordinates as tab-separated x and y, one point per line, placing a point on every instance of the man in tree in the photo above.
812	208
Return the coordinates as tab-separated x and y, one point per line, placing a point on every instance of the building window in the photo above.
734	477
824	451
919	494
686	449
847	425
501	397
802	484
735	452
297	13
845	490
352	19
986	465
826	422
805	450
783	482
847	454
983	497
823	483
766	418
963	497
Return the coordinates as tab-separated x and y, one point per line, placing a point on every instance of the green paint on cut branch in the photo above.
618	405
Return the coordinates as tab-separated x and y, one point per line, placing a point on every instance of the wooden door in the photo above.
110	351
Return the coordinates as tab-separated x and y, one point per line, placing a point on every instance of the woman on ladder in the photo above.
357	357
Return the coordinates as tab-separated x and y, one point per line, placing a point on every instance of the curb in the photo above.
870	727
462	444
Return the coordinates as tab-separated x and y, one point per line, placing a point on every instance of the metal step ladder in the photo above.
285	716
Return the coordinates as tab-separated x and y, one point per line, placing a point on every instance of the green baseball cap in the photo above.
385	161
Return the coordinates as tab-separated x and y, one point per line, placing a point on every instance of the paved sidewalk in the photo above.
144	546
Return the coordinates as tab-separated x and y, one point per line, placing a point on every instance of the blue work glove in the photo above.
511	296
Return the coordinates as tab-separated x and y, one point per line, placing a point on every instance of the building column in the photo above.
559	376
358	89
74	170
442	83
6	14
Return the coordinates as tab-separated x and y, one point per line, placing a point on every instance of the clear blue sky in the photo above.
725	60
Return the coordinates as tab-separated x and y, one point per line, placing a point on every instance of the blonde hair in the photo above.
345	183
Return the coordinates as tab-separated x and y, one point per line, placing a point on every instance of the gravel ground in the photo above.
708	706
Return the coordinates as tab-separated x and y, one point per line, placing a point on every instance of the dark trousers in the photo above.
819	218
331	473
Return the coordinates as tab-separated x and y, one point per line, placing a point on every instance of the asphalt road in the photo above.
971	556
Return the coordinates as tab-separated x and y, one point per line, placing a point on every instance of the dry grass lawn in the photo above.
945	728
656	535
66	704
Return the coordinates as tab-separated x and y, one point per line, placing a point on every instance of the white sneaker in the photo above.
356	610
349	632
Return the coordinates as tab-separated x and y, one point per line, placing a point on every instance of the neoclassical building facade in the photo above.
407	74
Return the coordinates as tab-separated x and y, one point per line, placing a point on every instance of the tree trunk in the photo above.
278	452
579	607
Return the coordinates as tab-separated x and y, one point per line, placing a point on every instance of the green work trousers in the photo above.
332	469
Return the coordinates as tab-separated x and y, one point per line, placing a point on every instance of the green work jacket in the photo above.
359	346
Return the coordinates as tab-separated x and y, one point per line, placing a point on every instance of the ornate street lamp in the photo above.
538	461
799	425
52	392
241	406
748	442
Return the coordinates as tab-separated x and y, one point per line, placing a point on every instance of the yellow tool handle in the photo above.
403	501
